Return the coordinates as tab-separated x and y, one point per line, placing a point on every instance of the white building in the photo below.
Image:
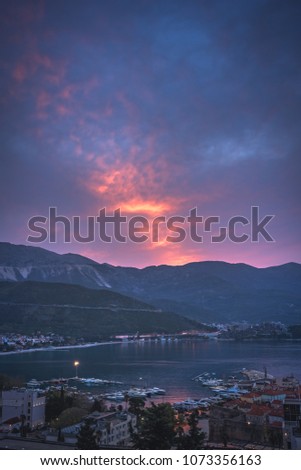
113	429
110	428
29	403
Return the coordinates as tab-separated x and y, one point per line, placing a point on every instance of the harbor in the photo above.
219	390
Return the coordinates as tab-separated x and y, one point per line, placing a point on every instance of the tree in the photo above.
98	405
225	436
69	417
23	427
156	428
275	437
82	401
6	382
194	439
86	438
136	407
56	403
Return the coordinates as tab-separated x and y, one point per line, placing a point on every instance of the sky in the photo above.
154	107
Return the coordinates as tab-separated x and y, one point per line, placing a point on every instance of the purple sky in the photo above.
154	107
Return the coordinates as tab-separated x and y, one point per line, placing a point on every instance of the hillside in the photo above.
206	291
80	312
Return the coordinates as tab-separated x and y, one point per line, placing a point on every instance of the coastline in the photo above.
91	345
58	348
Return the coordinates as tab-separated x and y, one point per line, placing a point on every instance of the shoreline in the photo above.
105	343
59	348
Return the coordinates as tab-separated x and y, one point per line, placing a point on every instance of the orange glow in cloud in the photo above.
177	260
174	254
145	207
109	181
132	176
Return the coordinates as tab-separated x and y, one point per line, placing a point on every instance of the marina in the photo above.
221	390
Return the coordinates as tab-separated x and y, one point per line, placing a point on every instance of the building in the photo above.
110	428
27	405
239	422
288	383
257	415
271	395
292	420
113	428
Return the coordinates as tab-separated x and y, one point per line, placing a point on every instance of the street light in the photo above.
76	364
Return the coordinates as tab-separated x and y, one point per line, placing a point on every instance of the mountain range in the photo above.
207	291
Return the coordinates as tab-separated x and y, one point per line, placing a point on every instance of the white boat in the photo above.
219	389
204	403
215	399
33	383
188	404
158	391
212	382
136	393
118	396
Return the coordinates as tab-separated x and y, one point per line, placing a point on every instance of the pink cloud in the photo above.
67	92
42	60
33	62
19	72
90	85
62	110
43	100
57	73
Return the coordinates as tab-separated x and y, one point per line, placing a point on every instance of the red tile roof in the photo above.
12	421
258	410
273	393
276	403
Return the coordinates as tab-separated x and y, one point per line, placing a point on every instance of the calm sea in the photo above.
169	365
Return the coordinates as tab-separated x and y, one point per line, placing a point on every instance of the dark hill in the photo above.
76	311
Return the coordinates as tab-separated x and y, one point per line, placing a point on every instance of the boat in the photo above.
33	383
136	393
219	389
186	405
93	381
117	396
204	404
212	382
61	380
158	391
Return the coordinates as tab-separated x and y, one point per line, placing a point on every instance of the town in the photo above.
253	411
16	342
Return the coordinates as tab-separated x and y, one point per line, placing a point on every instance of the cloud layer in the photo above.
155	108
